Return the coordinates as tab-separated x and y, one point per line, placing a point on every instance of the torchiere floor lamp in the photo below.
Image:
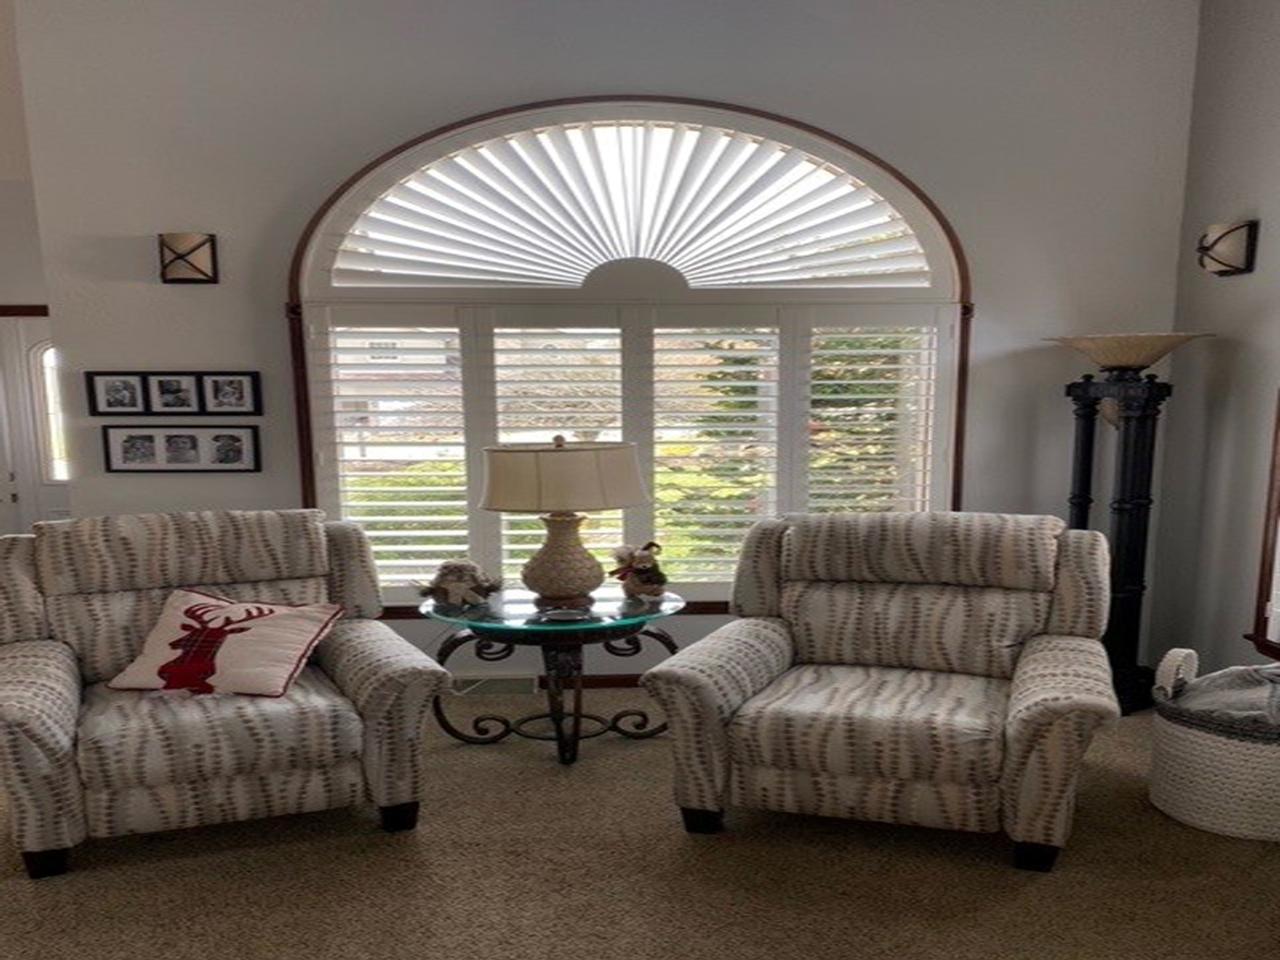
1137	401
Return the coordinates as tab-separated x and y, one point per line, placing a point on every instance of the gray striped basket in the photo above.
1214	776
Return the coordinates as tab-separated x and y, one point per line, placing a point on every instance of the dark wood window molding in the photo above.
297	334
1266	565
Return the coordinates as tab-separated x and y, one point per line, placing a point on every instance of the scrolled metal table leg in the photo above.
483	727
638	722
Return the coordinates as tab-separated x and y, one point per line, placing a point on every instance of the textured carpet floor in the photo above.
518	857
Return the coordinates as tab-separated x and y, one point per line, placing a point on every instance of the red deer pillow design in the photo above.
208	644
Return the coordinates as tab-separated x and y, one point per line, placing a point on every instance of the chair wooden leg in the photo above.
400	816
46	863
1035	856
702	821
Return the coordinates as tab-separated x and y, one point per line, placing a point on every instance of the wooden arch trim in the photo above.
293	309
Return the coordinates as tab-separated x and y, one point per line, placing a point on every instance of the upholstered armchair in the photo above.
938	669
80	760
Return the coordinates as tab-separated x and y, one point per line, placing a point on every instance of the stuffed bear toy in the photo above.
639	571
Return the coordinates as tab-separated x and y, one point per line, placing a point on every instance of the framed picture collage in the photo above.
181	448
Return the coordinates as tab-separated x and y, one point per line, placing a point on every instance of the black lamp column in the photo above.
1138	399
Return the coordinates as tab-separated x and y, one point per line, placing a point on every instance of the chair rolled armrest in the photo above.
1061	693
391	682
39	708
701	687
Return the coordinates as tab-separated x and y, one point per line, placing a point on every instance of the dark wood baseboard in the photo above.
1268	648
23	310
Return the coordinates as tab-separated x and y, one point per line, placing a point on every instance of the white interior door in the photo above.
34	486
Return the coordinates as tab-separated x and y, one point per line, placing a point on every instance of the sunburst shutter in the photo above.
545	207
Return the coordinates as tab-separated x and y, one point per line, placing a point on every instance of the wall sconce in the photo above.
188	257
1227	249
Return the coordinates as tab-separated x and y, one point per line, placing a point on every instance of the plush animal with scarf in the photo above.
639	571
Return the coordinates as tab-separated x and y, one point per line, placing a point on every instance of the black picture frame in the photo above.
253	393
97	392
144	384
205	435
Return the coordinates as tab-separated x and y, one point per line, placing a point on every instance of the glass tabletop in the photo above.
515	611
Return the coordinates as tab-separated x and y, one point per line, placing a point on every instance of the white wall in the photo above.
21	280
1053	134
1219	440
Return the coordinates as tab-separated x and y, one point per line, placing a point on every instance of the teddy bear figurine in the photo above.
460	583
637	567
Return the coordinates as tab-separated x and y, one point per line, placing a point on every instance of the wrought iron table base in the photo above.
563	664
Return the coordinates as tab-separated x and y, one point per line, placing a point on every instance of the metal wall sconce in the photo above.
188	257
1227	249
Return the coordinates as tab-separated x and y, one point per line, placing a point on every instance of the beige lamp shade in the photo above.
1127	351
562	477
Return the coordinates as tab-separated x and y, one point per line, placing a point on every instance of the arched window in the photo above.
772	315
50	425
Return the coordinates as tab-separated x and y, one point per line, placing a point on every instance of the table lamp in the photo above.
558	480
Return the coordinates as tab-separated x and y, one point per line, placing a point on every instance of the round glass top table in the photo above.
510	619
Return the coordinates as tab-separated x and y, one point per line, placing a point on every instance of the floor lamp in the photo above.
1133	402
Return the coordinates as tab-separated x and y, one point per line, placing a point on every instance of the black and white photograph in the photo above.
181	449
116	394
173	393
230	394
139	448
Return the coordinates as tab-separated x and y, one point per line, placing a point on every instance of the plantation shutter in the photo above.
715	443
738	412
552	381
395	406
870	418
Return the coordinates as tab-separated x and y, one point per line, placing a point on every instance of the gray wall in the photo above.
1218	442
1052	134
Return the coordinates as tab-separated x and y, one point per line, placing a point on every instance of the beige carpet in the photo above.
518	857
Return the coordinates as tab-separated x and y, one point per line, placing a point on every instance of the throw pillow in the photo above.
210	644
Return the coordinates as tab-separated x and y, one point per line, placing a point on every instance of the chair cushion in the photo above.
145	551
889	723
926	626
1011	551
146	738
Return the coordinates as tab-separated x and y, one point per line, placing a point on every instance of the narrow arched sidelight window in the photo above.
51	428
768	313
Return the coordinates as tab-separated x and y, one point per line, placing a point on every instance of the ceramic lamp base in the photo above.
563	572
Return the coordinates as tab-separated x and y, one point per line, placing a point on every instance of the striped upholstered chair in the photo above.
80	760
938	669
